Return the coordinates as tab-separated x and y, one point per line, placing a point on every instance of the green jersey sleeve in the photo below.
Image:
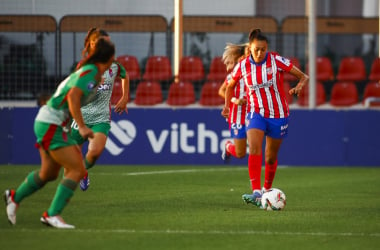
83	78
122	72
86	79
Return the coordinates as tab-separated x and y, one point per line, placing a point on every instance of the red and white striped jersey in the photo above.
265	91
237	112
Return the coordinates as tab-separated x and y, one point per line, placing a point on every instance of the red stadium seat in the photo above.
132	66
324	69
217	70
351	69
191	69
344	93
148	93
209	94
374	74
372	89
181	94
158	68
289	77
303	98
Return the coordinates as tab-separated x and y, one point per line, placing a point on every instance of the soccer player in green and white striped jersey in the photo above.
97	115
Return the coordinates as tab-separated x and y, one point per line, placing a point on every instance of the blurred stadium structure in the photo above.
41	42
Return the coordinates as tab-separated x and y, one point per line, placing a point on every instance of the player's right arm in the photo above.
222	90
228	96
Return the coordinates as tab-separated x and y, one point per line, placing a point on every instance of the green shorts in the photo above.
103	128
52	136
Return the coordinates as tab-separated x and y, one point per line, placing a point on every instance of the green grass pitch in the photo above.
200	207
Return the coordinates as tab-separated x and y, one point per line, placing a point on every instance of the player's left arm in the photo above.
303	79
286	65
121	105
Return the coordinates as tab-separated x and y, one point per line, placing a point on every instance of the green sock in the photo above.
31	184
88	164
62	196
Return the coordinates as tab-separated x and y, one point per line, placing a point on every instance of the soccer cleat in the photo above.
264	190
85	182
55	221
225	154
11	205
254	198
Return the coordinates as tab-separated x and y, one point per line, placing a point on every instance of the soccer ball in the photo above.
275	199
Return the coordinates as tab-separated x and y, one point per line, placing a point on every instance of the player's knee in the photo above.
240	154
255	151
94	153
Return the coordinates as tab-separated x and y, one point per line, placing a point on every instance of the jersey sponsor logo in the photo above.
262	85
104	87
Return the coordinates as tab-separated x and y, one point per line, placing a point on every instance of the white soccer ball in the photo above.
275	199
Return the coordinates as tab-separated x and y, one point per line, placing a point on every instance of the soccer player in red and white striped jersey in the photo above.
268	110
236	117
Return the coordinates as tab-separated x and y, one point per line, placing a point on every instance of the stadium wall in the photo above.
195	136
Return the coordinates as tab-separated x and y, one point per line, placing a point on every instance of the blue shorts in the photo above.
273	127
238	131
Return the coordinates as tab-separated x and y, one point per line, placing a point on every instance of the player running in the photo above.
237	108
97	114
268	109
56	146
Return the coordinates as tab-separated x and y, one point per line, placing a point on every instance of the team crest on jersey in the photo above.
236	132
90	85
269	71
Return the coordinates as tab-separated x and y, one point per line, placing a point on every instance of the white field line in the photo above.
181	171
197	232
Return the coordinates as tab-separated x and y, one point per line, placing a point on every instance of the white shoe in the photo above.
225	154
11	205
55	221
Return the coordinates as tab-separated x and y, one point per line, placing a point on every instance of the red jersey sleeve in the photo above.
283	63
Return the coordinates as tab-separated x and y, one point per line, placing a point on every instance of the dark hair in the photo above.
103	51
256	34
92	34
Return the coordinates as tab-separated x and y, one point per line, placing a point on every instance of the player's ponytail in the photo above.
233	52
92	34
256	34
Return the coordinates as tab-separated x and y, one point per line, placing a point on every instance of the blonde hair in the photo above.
233	52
